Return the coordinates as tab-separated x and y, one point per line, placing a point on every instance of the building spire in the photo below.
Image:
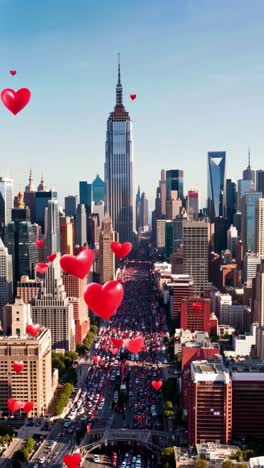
119	89
249	158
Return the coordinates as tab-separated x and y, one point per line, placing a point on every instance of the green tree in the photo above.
72	355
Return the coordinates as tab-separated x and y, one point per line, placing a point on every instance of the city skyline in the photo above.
208	85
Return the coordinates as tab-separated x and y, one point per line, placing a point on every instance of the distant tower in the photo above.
98	188
143	210
106	256
162	187
81	225
248	173
119	168
52	243
216	184
138	208
30	197
42	185
6	202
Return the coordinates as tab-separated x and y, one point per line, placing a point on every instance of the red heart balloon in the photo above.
117	342
157	384
104	300
72	461
197	306
42	268
114	351
33	330
88	428
14	405
135	345
28	406
15	101
51	257
12	72
18	366
78	265
39	243
133	96
121	250
96	359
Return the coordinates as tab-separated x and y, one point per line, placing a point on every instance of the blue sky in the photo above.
196	66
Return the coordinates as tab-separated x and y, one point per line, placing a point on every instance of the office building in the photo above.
196	315
260	181
143	210
168	238
231	200
93	230
247	400
119	169
259	295
54	310
30	197
237	221
74	288
248	228
174	181
81	226
242	344
193	204
221	226
138	209
6	278
42	202
173	205
66	235
27	288
20	239
237	316
181	286
161	233
106	256
16	317
260	227
232	239
99	210
163	191
34	383
210	403
52	243
71	203
86	196
6	202
248	173
196	235
260	343
98	189
216	184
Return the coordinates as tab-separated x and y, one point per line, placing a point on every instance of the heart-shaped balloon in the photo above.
134	345
133	96
15	101
88	428
117	342
157	384
114	351
33	330
42	268
78	265
14	405
197	306
39	243
52	257
72	461
18	366
104	300
96	359
12	72
28	406
121	250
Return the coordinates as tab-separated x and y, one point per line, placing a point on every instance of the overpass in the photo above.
155	441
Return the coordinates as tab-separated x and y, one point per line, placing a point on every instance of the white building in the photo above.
242	343
6	278
251	261
232	236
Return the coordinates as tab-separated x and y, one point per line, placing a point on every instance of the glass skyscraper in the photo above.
174	181
86	195
119	169
98	187
248	232
216	184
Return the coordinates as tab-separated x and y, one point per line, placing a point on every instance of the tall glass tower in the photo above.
119	168
216	184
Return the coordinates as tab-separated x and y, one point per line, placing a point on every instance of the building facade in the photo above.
216	184
248	228
106	263
6	278
6	202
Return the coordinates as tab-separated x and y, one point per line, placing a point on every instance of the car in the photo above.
96	459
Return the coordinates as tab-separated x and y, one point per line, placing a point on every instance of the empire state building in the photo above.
119	168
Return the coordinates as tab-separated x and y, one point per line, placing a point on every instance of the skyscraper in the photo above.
74	288
231	200
52	243
20	239
260	227
81	225
86	196
196	235
174	181
248	173
248	228
30	198
138	208
98	188
119	168
6	278
71	202
143	210
193	204
216	184
6	202
173	205
259	297
42	200
106	256
66	235
163	188
260	181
